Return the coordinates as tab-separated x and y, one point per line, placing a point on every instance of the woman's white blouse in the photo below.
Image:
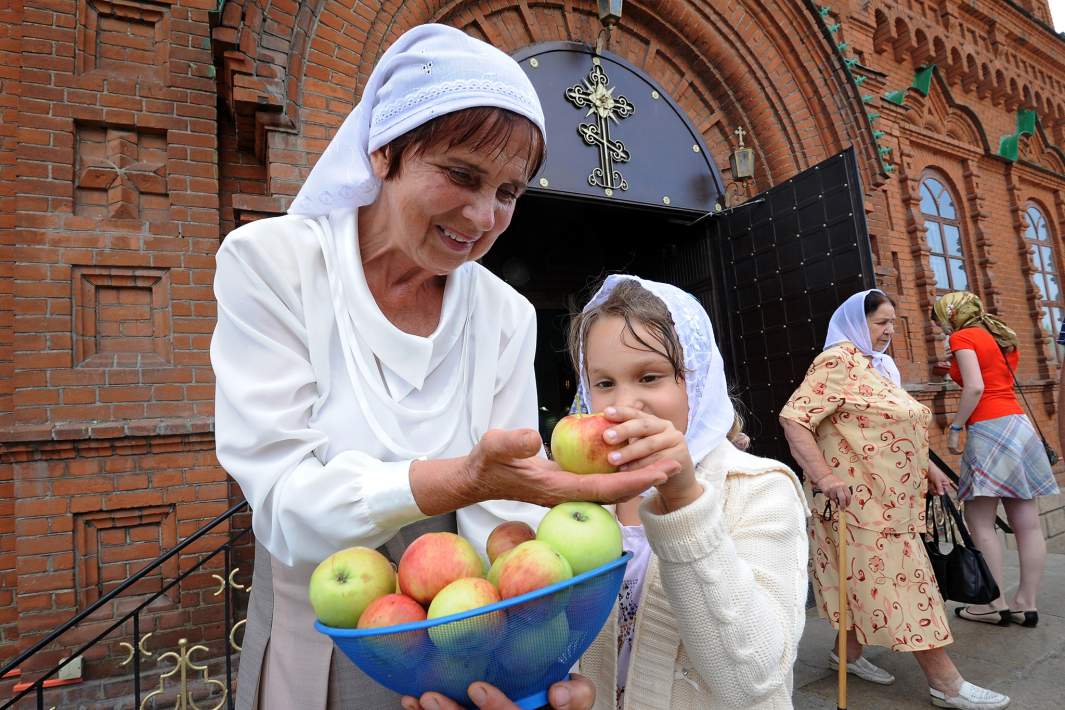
321	403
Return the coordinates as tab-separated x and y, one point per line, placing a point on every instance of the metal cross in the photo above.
740	133
602	102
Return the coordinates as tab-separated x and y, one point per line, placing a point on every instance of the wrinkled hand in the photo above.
504	465
954	444
938	482
834	489
577	693
652	440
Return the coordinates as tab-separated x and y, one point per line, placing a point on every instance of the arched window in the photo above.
944	236
1044	274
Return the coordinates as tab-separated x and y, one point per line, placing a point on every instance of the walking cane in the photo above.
841	652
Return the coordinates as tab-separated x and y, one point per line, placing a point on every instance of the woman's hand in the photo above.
954	444
939	482
652	440
505	465
834	489
577	693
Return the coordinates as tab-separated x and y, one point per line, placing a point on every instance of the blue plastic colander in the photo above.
520	645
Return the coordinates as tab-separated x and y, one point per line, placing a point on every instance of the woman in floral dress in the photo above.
862	442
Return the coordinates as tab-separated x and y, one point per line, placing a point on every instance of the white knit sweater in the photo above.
724	599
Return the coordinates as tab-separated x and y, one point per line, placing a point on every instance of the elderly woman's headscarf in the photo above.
962	309
710	412
849	324
431	70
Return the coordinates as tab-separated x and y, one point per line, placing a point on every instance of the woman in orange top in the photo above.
1003	458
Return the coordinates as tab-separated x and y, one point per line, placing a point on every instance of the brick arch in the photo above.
758	76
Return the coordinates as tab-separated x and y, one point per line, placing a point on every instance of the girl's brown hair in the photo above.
634	304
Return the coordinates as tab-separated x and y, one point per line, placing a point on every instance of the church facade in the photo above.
135	134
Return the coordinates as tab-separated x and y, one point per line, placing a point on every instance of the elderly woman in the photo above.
371	375
1003	458
862	442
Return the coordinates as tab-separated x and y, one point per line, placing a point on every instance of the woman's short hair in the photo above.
482	128
875	299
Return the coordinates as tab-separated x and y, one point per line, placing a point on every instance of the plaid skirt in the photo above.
1004	458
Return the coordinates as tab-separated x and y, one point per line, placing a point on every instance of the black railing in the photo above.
38	686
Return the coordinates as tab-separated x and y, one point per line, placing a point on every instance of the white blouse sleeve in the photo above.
302	510
739	594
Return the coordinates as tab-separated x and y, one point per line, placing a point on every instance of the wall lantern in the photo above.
610	12
742	159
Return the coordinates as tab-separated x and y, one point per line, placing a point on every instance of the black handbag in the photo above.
962	573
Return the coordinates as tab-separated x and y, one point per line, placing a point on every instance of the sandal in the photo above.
1024	618
995	618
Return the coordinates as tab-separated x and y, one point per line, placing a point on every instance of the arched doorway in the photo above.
625	191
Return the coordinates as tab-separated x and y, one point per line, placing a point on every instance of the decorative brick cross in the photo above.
122	173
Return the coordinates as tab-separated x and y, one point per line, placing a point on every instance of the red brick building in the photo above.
134	134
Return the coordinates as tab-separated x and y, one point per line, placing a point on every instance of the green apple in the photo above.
476	634
346	582
586	534
534	648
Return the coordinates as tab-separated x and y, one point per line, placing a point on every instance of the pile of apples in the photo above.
441	574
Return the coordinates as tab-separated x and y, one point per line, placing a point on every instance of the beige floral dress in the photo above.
874	436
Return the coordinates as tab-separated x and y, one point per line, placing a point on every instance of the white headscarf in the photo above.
431	70
710	412
848	323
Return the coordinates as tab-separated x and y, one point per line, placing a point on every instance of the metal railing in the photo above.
182	658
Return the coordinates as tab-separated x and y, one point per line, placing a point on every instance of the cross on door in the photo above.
593	92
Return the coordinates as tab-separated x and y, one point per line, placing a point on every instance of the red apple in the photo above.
532	565
473	635
493	571
577	444
404	649
507	536
435	560
345	583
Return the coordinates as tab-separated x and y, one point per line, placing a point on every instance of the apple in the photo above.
586	534
346	582
533	649
451	675
507	536
404	649
577	444
532	565
473	635
435	560
493	571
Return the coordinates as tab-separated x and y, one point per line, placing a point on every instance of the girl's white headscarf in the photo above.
848	323
429	71
710	412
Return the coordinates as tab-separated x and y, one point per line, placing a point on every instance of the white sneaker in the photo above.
863	669
970	697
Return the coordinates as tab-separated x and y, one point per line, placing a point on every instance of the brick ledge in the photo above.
80	431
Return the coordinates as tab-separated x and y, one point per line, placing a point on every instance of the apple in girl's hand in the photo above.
476	634
577	444
586	534
507	536
435	560
529	566
346	582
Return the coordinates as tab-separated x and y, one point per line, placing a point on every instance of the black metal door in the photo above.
770	273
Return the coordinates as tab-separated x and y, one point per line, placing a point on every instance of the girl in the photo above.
714	598
1003	458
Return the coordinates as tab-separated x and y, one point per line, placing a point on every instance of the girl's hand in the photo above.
834	489
577	693
938	482
954	444
652	440
505	465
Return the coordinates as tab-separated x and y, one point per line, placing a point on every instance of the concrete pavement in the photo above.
1026	664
